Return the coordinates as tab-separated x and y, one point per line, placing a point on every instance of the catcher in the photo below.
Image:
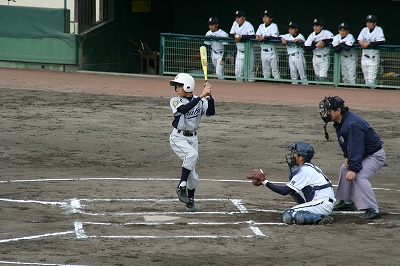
307	185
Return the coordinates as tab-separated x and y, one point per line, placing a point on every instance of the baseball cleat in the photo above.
190	206
182	194
370	214
343	206
326	220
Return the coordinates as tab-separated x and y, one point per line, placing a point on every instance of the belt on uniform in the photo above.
296	53
241	51
218	52
267	50
187	133
347	55
319	55
330	200
369	56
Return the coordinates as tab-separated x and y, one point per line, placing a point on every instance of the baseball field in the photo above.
87	176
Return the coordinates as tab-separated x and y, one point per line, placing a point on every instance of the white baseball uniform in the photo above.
348	59
217	51
370	57
269	56
183	139
246	29
321	58
297	62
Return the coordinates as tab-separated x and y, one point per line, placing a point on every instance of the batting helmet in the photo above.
185	80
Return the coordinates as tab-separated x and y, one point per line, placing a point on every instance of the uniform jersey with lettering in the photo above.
314	38
246	29
189	121
291	46
267	31
215	45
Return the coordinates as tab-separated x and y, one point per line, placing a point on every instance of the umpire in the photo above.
364	156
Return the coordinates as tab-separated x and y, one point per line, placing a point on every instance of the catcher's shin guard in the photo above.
300	217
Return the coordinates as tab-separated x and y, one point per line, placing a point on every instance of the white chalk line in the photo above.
36	236
36	263
145	179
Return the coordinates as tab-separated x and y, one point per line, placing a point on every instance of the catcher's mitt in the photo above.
257	176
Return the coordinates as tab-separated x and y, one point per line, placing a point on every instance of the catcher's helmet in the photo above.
301	148
185	80
333	103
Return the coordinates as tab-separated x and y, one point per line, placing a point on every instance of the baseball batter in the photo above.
187	110
269	57
307	185
363	153
369	39
317	42
297	62
217	48
242	30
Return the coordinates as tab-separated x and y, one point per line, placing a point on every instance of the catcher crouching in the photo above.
308	186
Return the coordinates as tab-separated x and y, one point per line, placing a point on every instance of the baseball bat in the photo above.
204	64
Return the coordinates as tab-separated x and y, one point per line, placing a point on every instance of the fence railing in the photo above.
180	53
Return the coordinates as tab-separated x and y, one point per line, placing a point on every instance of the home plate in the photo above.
159	218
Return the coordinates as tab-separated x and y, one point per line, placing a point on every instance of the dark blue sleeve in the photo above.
183	109
345	46
371	44
283	190
211	107
355	148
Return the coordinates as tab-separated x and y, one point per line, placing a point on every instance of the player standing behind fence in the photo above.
188	110
317	43
269	57
343	43
297	62
242	30
369	39
217	48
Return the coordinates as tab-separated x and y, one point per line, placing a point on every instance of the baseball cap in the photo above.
371	18
343	26
239	13
293	25
318	22
267	13
212	21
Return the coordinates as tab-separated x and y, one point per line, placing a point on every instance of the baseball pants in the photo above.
239	65
369	68
269	61
348	67
216	58
321	66
361	187
187	149
297	66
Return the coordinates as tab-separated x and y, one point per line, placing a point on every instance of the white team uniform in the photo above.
323	200
348	59
321	58
186	147
269	56
370	57
297	62
246	29
217	51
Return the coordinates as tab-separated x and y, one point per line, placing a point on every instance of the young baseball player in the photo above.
242	30
318	42
343	43
308	186
297	62
187	110
217	48
363	153
269	58
369	39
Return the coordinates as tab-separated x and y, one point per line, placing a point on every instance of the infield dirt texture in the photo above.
87	176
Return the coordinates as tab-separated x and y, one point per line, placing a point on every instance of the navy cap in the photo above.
343	26
293	25
239	13
371	18
267	13
318	22
212	21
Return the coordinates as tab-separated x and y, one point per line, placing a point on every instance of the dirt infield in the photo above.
87	175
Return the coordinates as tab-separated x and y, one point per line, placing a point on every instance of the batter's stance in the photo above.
363	153
188	110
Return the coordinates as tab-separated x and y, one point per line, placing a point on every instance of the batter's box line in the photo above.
81	234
